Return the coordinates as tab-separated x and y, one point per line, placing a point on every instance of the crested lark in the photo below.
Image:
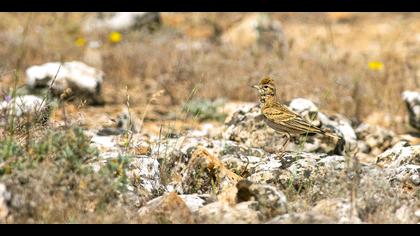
280	118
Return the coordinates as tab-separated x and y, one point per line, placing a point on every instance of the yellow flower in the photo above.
115	37
375	65
80	41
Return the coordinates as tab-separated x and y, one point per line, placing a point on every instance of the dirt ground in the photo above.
327	61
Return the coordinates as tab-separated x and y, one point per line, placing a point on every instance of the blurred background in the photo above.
356	64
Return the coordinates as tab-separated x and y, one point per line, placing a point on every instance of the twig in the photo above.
49	88
246	166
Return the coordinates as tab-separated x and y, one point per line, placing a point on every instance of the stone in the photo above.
401	163
223	213
302	218
271	201
31	107
247	126
206	174
294	169
417	214
338	209
5	197
377	139
408	174
306	108
166	209
404	214
120	21
400	154
337	124
104	143
196	201
412	102
240	164
144	173
80	79
125	122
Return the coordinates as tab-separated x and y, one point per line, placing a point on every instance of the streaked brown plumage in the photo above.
279	117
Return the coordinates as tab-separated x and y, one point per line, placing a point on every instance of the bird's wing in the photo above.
278	114
283	116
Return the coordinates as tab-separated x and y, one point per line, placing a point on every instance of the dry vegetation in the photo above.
327	62
327	59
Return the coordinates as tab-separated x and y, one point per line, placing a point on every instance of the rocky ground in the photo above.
233	173
70	154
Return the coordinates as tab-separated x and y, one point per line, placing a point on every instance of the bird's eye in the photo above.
265	86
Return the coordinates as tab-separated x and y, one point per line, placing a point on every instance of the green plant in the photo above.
205	109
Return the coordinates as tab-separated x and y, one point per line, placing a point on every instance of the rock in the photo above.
174	155
383	119
302	218
309	167
26	106
196	201
223	213
206	174
338	209
125	122
415	178
269	171
122	21
271	201
143	148
144	174
230	108
377	139
167	209
5	197
206	130
337	123
306	108
340	123
417	214
257	30
408	174
404	214
247	126
240	164
411	138
82	80
402	163
293	169
142	171
400	154
105	143
412	101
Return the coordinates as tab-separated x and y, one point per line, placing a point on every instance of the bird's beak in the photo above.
255	86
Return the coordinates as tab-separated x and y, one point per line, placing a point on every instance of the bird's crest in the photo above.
266	80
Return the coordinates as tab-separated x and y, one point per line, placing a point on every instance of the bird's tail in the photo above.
329	133
339	140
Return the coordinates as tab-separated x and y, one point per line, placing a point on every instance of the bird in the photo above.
280	118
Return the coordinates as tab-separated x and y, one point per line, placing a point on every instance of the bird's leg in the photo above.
282	151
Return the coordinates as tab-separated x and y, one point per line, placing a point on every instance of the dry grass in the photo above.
327	62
